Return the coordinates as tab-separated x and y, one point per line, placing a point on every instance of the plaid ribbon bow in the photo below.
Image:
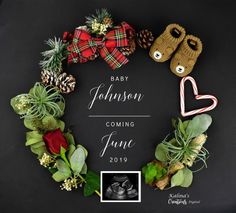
84	46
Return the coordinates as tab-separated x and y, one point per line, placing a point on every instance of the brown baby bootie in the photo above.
183	61
164	46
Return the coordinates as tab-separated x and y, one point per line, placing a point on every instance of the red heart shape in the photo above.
197	97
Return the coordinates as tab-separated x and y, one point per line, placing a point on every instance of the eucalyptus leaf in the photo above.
60	124
63	167
188	177
39	144
49	123
85	150
60	176
198	125
39	151
161	153
71	149
28	123
33	141
77	160
177	179
69	138
33	135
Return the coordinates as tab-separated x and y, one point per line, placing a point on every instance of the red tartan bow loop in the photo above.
84	46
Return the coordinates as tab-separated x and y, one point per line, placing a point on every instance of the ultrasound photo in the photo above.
120	186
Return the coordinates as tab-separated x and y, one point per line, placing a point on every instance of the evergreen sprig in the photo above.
52	58
99	16
100	22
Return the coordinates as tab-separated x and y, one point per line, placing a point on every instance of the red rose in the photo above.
54	140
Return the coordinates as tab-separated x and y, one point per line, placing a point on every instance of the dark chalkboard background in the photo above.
24	25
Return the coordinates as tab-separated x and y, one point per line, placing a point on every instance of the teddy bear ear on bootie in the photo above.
184	59
164	46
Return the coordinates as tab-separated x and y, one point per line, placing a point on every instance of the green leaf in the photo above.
49	123
33	141
150	172
188	177
63	168
77	160
33	135
61	125
185	124
60	176
85	150
92	183
198	125
39	144
52	170
173	121
84	169
71	149
69	138
39	151
62	107
29	124
63	155
161	153
177	179
181	127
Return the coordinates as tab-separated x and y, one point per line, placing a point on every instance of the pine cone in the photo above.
129	49
144	38
108	21
65	83
48	77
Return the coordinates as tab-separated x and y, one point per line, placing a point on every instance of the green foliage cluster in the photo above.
41	109
179	151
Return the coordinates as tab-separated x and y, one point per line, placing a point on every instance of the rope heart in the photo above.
197	97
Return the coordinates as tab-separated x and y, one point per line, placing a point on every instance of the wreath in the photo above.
43	106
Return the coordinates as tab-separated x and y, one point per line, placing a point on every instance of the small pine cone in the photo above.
108	21
144	38
48	77
129	49
65	83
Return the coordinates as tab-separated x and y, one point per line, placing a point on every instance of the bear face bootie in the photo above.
183	61
164	46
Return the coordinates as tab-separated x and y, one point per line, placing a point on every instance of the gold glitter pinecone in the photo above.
65	83
144	38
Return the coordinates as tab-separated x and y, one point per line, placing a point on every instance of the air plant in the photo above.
40	102
187	150
185	145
